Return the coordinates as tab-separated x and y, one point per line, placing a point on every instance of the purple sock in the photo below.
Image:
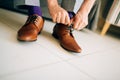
71	14
34	10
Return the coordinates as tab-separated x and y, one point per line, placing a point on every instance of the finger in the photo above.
67	19
62	19
83	24
75	25
80	26
71	22
54	18
58	18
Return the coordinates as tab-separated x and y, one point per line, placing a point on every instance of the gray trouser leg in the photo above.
94	15
68	4
71	5
27	2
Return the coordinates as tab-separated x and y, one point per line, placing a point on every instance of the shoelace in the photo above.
32	19
71	28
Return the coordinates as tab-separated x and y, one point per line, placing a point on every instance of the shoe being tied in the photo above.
65	37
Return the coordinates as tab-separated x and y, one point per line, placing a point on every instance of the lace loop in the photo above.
70	28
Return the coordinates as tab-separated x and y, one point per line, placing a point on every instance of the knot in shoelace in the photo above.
70	28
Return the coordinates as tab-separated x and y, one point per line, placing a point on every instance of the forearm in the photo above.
86	7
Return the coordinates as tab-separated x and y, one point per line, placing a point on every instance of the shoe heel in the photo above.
55	35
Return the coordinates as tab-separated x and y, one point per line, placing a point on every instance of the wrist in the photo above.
82	13
86	7
52	3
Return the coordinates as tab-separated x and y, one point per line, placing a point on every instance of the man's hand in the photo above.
79	21
58	14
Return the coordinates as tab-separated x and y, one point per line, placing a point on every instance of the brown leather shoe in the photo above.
67	41
31	28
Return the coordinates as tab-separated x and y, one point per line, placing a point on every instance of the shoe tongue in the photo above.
31	18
